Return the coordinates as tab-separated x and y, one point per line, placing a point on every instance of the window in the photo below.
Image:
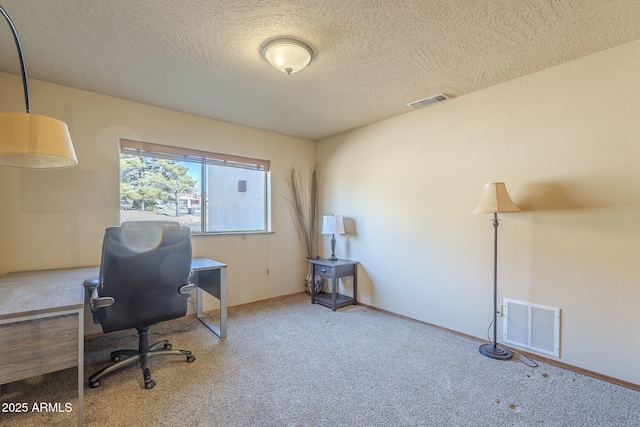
208	192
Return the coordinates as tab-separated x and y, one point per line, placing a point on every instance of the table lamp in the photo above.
333	224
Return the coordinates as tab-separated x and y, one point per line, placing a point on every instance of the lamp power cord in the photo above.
521	357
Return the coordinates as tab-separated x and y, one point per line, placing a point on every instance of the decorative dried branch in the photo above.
304	185
314	200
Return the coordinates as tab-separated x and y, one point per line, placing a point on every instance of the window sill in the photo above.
227	233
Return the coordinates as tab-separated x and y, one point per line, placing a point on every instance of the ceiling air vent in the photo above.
428	101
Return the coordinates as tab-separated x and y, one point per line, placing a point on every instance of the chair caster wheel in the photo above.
94	384
168	346
190	359
149	384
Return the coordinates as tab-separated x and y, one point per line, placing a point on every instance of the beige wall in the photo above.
55	219
566	142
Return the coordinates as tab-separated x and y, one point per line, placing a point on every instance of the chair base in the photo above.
121	358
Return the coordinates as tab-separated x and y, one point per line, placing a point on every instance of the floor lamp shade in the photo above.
30	140
33	141
495	199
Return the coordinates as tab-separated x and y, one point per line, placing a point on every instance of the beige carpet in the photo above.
290	363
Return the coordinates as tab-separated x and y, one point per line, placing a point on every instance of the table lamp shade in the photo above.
333	224
495	199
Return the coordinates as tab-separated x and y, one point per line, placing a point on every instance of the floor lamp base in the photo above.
495	352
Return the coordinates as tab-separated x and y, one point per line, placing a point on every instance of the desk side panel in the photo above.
36	347
209	281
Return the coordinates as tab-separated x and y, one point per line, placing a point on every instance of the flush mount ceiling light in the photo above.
287	55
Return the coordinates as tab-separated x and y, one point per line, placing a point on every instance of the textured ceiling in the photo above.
372	56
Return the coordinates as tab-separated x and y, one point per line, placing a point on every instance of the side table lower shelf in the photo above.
326	299
335	270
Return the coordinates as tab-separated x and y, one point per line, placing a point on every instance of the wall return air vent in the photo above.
428	101
532	326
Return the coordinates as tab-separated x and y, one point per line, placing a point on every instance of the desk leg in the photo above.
81	367
222	332
199	304
201	318
223	303
355	286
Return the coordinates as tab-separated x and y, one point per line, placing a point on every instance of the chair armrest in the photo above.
95	301
89	286
187	289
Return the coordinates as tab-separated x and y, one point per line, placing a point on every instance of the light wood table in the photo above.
42	324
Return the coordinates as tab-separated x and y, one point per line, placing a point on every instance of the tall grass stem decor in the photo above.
304	186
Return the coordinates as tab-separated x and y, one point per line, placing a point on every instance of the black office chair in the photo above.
144	280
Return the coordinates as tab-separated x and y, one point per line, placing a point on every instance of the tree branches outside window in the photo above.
145	181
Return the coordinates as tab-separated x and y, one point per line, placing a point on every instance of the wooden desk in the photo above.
42	324
42	319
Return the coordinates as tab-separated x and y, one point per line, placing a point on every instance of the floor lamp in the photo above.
495	199
31	140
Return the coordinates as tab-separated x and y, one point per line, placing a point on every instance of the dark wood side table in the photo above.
335	270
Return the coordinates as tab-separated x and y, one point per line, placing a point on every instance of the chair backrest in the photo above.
144	264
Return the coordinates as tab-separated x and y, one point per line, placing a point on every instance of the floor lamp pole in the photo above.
493	350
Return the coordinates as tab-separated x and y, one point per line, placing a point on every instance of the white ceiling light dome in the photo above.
287	54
